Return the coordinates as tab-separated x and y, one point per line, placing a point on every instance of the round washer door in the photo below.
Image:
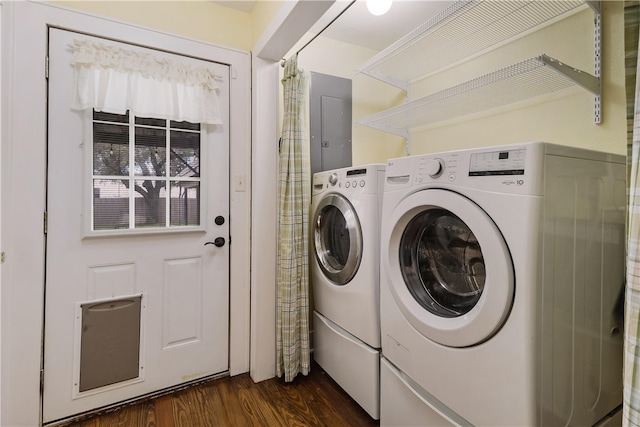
448	267
337	238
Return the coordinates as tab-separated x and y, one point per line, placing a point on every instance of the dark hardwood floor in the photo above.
314	400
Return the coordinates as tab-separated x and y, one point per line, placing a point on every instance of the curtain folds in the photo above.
631	395
292	288
111	79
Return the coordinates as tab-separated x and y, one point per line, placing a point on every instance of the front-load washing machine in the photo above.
345	279
500	272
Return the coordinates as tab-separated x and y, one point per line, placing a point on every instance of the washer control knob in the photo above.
333	179
435	167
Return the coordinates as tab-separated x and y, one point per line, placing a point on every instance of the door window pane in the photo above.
185	153
110	149
150	151
151	203
120	140
185	203
150	121
110	204
109	117
185	125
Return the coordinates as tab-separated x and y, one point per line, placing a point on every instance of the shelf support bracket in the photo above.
400	132
596	7
586	80
401	84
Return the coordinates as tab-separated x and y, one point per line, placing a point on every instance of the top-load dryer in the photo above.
345	278
501	268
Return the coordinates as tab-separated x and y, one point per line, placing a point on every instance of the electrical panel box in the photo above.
330	124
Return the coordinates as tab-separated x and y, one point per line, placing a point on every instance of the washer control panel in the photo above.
503	162
513	169
436	168
363	179
447	166
353	178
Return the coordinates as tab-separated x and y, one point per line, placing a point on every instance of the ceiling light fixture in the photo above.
378	7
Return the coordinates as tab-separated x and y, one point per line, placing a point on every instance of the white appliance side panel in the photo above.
583	250
402	405
352	364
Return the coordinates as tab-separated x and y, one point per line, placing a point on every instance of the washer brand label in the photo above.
517	182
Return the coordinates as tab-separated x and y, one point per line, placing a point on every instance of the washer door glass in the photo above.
447	267
442	263
337	239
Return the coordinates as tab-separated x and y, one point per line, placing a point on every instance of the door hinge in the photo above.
45	220
46	67
3	257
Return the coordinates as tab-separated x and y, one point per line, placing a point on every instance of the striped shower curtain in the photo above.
631	408
631	397
292	287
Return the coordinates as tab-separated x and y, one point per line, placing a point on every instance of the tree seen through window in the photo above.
146	172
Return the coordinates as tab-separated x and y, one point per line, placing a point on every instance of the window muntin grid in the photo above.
134	161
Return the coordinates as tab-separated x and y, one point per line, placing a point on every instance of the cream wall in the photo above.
262	15
197	19
340	59
201	20
564	118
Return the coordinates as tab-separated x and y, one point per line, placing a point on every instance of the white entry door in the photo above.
136	299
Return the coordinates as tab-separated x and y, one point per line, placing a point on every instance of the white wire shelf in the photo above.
525	80
464	29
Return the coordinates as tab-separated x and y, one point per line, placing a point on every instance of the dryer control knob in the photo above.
333	179
435	167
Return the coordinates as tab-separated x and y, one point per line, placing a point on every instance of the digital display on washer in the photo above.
353	172
509	162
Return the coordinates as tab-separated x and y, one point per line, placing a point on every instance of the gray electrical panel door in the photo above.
330	122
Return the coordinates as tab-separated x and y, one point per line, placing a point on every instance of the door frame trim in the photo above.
23	206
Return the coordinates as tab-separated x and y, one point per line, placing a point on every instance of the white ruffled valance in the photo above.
114	80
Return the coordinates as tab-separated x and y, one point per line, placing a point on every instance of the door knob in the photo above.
218	241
